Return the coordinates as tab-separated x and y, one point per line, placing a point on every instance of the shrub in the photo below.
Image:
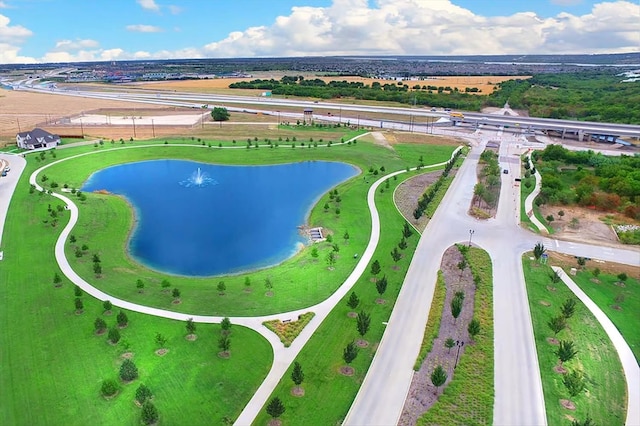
109	387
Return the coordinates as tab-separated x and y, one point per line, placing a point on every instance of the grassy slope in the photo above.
604	295
328	393
105	222
52	363
432	329
468	399
605	397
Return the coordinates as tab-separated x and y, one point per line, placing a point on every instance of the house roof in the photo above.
39	134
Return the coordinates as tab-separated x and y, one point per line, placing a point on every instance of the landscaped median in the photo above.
581	372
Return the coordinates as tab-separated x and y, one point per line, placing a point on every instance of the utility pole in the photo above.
133	119
153	128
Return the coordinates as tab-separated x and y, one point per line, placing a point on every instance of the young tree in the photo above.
354	301
438	377
57	279
275	408
224	344
268	284
363	321
97	269
191	326
107	305
375	268
565	351
350	352
109	387
568	308
381	285
581	262
587	422
449	343
77	291
79	305
407	231
140	285
555	277
165	283
220	114
538	250
346	237
225	325
175	293
574	382
149	413
314	252
297	375
100	325
557	324
402	244
473	328
596	272
335	247
128	370
143	393
622	277
221	287
331	259
396	255
114	335
160	340
122	319
456	308
247	282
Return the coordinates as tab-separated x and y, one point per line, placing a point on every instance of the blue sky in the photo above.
76	30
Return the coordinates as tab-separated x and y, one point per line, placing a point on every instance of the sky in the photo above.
34	31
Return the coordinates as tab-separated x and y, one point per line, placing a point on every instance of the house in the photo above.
37	138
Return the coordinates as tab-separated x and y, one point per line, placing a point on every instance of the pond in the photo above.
198	219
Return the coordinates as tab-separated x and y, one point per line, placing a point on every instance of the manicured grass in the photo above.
329	394
605	396
432	329
620	303
53	364
105	222
468	399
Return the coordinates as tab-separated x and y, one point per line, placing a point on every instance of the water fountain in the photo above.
198	178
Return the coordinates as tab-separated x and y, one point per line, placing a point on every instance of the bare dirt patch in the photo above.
569	405
566	261
352	314
297	391
553	341
347	370
224	355
362	343
162	352
560	369
422	394
127	355
545	303
408	194
191	337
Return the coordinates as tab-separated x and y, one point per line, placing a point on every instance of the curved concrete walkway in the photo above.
628	360
283	357
528	202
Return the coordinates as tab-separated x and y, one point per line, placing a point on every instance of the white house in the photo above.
37	138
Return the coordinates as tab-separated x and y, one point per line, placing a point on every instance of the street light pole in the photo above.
471	232
459	344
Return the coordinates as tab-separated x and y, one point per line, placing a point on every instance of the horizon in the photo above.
156	30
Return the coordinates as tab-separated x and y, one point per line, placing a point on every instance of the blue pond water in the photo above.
200	220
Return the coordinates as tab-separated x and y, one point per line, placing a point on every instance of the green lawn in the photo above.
329	394
620	304
605	396
468	399
105	222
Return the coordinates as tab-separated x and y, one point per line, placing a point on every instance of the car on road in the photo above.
505	171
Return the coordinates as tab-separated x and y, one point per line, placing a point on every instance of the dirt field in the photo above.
486	84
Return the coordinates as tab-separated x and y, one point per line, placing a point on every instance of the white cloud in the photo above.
174	9
4	5
140	28
12	33
566	2
69	45
149	5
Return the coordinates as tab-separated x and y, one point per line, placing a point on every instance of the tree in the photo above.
363	321
225	325
297	375
449	343
128	370
160	340
350	352
346	237
381	285
331	259
568	308
77	291
587	422
314	252
97	269
353	301
107	305
396	255
473	328
247	282
335	247
165	284
402	244
220	114
275	408
57	279
622	277
139	285
191	326
175	293
538	250
109	387
406	230
574	382
79	305
557	324
596	272
100	325
438	377
375	268
456	308
565	351
555	277
582	261
122	319
143	393
224	343
268	284
114	335
221	287
149	413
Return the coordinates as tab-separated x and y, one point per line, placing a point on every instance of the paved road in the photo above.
8	185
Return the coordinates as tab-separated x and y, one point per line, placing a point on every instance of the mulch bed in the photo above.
347	370
422	394
162	352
